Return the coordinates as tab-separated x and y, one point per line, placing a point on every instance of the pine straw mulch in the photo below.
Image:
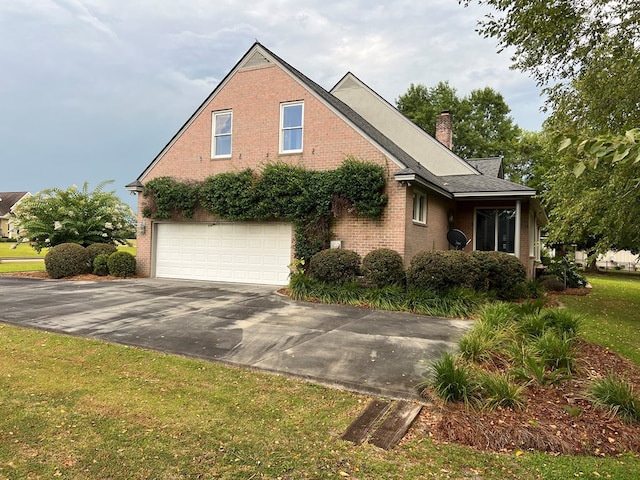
45	276
556	419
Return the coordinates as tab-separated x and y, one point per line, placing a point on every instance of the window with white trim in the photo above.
222	131
496	229
291	127
420	208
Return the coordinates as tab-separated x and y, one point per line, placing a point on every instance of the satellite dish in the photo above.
457	239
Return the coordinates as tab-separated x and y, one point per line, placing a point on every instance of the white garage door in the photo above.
224	252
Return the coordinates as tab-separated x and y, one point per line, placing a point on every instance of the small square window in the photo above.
222	130
291	127
420	208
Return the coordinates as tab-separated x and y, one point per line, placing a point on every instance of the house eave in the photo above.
484	195
409	178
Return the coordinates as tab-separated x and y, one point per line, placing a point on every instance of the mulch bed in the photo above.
555	419
45	276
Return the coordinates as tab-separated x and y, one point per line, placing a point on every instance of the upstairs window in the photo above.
291	127
420	208
222	130
496	229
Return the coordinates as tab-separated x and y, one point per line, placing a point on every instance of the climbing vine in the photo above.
307	198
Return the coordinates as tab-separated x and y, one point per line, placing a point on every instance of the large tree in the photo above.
586	53
56	216
482	126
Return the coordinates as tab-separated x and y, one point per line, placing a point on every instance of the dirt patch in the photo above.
555	419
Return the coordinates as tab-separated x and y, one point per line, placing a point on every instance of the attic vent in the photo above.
256	60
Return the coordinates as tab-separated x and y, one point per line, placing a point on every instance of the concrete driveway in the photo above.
369	351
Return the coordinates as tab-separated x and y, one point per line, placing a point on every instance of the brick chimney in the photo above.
444	129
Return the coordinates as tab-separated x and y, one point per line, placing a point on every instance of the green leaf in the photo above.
579	169
621	155
564	144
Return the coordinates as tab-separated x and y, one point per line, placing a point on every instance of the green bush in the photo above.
335	266
101	265
122	264
383	268
96	249
441	270
501	273
67	260
564	269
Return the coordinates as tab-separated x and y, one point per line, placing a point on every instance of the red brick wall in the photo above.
255	96
433	235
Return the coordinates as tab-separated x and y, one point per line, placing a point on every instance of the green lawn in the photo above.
83	409
21	250
611	313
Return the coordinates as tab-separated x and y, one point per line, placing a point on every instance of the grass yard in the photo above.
83	409
611	313
22	250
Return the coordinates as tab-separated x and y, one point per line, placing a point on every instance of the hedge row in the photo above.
70	259
438	271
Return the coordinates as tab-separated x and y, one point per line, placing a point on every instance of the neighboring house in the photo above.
8	200
244	123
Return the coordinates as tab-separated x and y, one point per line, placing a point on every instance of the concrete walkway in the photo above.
368	351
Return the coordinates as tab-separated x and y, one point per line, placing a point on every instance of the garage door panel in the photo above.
231	252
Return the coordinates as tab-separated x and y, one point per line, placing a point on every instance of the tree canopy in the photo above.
586	55
482	126
54	216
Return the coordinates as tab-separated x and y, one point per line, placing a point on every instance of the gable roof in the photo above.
491	167
386	118
8	200
412	170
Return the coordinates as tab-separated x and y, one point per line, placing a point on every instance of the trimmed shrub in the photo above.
96	249
122	264
67	260
441	270
335	266
383	268
100	265
501	273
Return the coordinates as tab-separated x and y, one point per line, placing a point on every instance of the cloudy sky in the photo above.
91	90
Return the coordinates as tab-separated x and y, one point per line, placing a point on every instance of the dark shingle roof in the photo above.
8	200
492	167
468	185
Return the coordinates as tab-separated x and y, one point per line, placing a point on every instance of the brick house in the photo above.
265	110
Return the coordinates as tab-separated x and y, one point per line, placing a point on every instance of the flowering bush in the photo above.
55	216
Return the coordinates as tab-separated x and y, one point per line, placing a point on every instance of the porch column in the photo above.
518	227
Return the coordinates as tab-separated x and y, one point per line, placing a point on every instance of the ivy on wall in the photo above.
309	199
